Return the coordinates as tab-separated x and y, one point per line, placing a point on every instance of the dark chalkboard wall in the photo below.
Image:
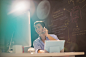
67	19
68	22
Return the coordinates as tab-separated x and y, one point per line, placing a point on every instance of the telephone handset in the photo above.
43	31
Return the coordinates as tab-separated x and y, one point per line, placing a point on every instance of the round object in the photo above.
43	9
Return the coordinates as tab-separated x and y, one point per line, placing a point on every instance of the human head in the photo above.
39	22
39	25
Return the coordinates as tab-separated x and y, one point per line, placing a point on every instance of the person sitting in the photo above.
43	35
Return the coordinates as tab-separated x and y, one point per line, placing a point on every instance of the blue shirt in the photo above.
38	44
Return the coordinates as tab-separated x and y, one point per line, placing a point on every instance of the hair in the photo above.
39	22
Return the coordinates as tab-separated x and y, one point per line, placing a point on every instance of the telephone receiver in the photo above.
43	31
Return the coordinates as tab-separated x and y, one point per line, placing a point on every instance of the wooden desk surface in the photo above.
41	54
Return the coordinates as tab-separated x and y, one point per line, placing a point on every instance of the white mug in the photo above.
17	48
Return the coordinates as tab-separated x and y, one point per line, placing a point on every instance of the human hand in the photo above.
40	51
45	31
